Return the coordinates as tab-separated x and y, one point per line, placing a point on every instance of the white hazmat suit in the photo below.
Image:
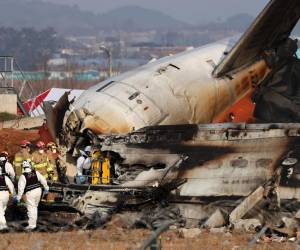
8	168
83	163
33	196
4	197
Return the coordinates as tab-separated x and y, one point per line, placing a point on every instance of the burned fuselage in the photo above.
221	160
174	90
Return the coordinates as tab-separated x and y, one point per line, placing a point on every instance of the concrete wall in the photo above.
24	123
8	103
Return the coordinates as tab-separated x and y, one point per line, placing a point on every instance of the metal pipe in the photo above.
153	239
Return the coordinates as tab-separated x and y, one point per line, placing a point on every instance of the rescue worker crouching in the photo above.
83	165
6	187
40	161
6	167
20	156
30	183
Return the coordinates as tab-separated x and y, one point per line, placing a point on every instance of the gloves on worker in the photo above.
16	200
81	179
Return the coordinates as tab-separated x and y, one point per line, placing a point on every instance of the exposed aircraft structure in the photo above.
152	121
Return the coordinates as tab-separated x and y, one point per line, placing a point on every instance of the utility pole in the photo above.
109	56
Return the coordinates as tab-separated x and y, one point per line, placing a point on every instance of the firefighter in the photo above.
83	164
30	183
5	153
6	187
41	162
100	167
22	155
96	166
6	167
106	169
53	155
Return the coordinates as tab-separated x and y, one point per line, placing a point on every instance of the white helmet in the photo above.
26	164
88	149
289	162
86	152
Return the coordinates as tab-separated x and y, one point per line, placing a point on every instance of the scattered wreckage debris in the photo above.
215	220
250	202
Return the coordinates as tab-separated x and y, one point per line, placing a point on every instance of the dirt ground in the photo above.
130	239
10	139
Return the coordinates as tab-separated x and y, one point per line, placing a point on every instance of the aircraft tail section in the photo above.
271	27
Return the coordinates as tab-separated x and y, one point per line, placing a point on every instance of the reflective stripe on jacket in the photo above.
17	163
41	163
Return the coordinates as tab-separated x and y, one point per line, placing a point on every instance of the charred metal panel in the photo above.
55	116
223	159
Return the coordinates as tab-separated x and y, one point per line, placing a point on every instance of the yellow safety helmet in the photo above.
51	145
96	152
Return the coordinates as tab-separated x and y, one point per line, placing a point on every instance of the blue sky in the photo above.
193	11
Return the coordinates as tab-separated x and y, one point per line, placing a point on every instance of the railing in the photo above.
23	87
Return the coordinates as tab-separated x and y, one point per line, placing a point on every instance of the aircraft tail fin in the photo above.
274	24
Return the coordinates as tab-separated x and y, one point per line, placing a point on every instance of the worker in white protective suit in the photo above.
83	164
6	187
30	184
6	167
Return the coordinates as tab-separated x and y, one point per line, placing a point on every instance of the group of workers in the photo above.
94	167
29	173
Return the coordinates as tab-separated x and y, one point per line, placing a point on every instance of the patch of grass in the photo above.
7	116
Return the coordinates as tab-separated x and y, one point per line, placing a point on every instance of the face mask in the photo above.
54	151
41	151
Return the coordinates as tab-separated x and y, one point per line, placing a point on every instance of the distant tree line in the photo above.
31	48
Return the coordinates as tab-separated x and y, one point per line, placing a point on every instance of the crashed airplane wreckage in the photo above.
193	166
140	118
